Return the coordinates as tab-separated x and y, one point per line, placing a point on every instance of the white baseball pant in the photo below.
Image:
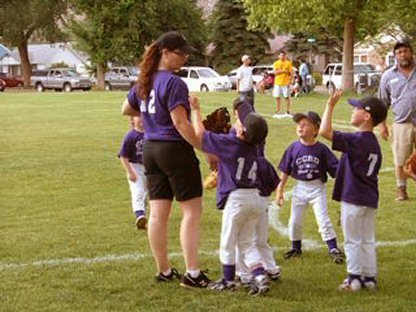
138	189
261	236
240	217
358	226
304	193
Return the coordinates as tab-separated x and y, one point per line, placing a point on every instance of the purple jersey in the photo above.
356	182
168	92
237	166
132	146
309	162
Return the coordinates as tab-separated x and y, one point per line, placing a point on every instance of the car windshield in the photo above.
133	71
207	73
70	73
364	68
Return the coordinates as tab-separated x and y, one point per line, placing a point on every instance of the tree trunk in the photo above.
25	63
348	54
101	76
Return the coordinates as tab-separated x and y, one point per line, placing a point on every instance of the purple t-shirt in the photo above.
356	181
237	167
168	92
308	162
132	146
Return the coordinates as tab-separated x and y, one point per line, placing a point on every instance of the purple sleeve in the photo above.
217	144
243	110
331	162
125	150
285	164
340	141
133	100
178	94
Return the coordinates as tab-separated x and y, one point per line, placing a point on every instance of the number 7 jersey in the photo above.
356	181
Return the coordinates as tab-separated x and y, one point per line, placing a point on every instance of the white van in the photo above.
332	75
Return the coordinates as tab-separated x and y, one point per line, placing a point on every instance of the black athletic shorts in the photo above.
172	170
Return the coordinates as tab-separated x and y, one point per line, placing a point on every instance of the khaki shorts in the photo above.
404	141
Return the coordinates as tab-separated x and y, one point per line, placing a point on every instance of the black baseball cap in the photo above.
174	40
311	116
243	107
373	106
256	128
402	44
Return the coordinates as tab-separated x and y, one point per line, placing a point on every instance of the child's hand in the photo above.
194	102
334	96
132	176
280	199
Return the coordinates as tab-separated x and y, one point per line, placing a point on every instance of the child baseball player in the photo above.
308	161
356	186
130	155
268	181
237	195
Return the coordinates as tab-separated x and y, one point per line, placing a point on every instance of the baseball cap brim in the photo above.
311	116
355	103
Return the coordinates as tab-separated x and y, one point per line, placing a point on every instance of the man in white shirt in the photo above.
245	80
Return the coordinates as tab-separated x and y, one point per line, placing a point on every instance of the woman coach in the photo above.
171	166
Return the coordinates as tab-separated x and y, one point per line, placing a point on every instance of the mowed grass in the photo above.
67	235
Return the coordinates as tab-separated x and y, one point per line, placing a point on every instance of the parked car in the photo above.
203	79
11	81
232	76
2	85
59	79
122	77
365	75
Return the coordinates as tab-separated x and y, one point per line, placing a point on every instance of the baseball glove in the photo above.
410	166
218	121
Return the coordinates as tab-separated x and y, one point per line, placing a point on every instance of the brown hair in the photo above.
148	66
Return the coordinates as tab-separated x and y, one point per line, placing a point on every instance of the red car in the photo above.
2	85
11	81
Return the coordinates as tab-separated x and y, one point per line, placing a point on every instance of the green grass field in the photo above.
67	235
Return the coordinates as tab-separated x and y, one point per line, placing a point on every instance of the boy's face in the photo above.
136	122
359	116
305	129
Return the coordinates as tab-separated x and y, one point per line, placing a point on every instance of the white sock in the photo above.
401	183
193	273
167	273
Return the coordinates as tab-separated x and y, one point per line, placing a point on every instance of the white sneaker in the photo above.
348	285
370	283
261	285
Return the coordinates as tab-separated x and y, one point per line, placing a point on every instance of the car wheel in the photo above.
67	87
39	87
204	88
107	86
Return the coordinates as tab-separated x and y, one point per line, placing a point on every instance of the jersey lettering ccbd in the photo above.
237	166
357	177
132	147
308	162
169	91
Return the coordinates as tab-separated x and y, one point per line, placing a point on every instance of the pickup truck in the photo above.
121	77
59	79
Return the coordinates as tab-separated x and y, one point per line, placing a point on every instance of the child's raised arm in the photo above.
326	124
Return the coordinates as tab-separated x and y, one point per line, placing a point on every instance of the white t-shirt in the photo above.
245	76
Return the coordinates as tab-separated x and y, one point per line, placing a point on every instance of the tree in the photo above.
118	31
231	37
355	18
21	19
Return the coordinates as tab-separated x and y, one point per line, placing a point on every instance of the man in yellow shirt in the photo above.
283	75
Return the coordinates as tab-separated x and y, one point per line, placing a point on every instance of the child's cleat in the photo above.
141	222
222	285
167	278
370	283
274	275
350	284
337	255
293	253
243	282
201	281
260	285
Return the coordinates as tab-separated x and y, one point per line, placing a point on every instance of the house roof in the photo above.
3	51
49	53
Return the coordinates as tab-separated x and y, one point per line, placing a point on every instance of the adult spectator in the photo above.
245	80
283	71
398	91
171	166
304	72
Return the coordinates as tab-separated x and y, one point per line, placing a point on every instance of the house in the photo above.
8	63
43	56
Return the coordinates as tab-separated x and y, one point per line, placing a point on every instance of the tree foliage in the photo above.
231	38
351	19
118	31
20	20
